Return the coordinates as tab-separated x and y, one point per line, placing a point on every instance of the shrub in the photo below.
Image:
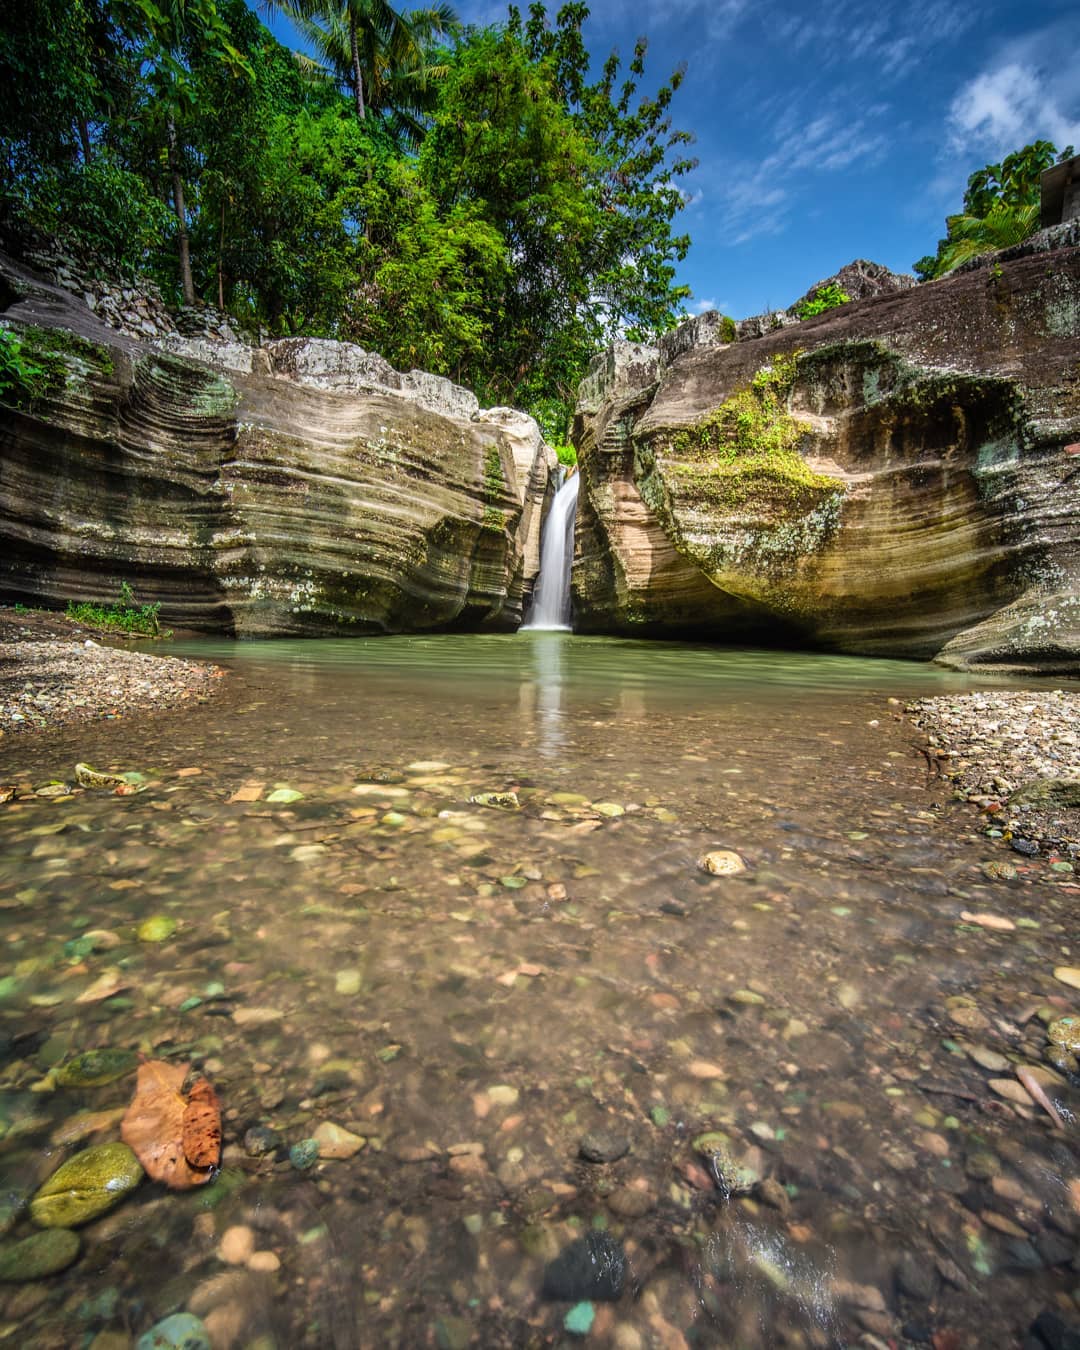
25	375
125	615
825	297
566	455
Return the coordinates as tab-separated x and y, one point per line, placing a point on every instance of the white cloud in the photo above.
708	306
1017	101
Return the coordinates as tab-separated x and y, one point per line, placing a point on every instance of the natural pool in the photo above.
474	991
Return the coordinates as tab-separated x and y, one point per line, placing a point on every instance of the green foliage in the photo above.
566	455
1001	208
728	331
124	615
747	448
824	298
497	214
26	375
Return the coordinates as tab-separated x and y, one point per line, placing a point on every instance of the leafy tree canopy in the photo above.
486	204
1001	208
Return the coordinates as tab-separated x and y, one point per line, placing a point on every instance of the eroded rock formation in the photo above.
899	476
301	487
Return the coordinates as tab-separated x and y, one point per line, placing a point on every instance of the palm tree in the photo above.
381	53
1001	227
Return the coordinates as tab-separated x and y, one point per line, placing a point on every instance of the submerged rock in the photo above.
39	1255
87	1185
181	1331
94	1068
592	1268
604	1146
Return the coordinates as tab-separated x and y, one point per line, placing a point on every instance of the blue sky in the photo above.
839	129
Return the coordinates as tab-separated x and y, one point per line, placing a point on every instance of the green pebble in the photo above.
95	1068
189	1003
284	795
181	1331
157	928
513	883
305	1154
659	1115
578	1321
87	1185
40	1255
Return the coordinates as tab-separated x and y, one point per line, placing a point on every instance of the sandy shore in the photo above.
1017	756
54	673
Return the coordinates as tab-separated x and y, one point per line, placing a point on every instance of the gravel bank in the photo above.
54	674
1015	755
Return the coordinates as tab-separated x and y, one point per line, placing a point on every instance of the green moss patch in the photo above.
746	452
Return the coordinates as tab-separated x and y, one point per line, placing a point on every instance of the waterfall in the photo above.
550	606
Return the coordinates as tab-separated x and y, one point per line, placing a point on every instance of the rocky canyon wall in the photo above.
899	476
301	487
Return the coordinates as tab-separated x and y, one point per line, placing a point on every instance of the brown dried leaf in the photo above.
154	1125
201	1131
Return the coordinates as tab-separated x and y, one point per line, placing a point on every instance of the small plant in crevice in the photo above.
26	375
823	299
566	455
125	616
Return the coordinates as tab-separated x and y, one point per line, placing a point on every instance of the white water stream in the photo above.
550	608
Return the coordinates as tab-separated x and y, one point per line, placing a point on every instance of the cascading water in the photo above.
550	608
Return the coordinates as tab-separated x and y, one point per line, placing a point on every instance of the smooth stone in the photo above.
42	1254
988	1059
591	1268
260	1140
499	801
336	1142
181	1331
305	1154
284	796
87	1185
348	982
1065	1032
237	1244
630	1202
579	1320
1069	975
604	1146
503	1094
721	863
96	1067
157	928
610	809
1011	1090
264	1263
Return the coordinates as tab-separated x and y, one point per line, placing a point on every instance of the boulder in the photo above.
904	482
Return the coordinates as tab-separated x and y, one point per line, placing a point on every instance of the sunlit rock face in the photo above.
928	500
304	487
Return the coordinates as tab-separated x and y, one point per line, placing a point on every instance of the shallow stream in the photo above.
474	991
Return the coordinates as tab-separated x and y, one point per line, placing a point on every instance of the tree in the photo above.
578	179
381	53
1001	208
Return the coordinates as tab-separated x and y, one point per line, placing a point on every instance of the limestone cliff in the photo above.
899	476
302	487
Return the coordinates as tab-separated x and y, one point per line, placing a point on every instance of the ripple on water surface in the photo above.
806	1058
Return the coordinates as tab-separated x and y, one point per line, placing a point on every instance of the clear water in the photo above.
473	990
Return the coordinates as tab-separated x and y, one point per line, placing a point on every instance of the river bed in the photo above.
804	1061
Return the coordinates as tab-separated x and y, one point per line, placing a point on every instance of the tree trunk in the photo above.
181	217
220	273
84	138
358	76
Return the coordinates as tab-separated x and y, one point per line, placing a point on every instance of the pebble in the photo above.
237	1244
591	1268
336	1142
264	1263
181	1331
305	1154
39	1255
721	863
604	1146
87	1185
1069	975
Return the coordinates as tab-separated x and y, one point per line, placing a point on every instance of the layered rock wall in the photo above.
300	488
931	504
